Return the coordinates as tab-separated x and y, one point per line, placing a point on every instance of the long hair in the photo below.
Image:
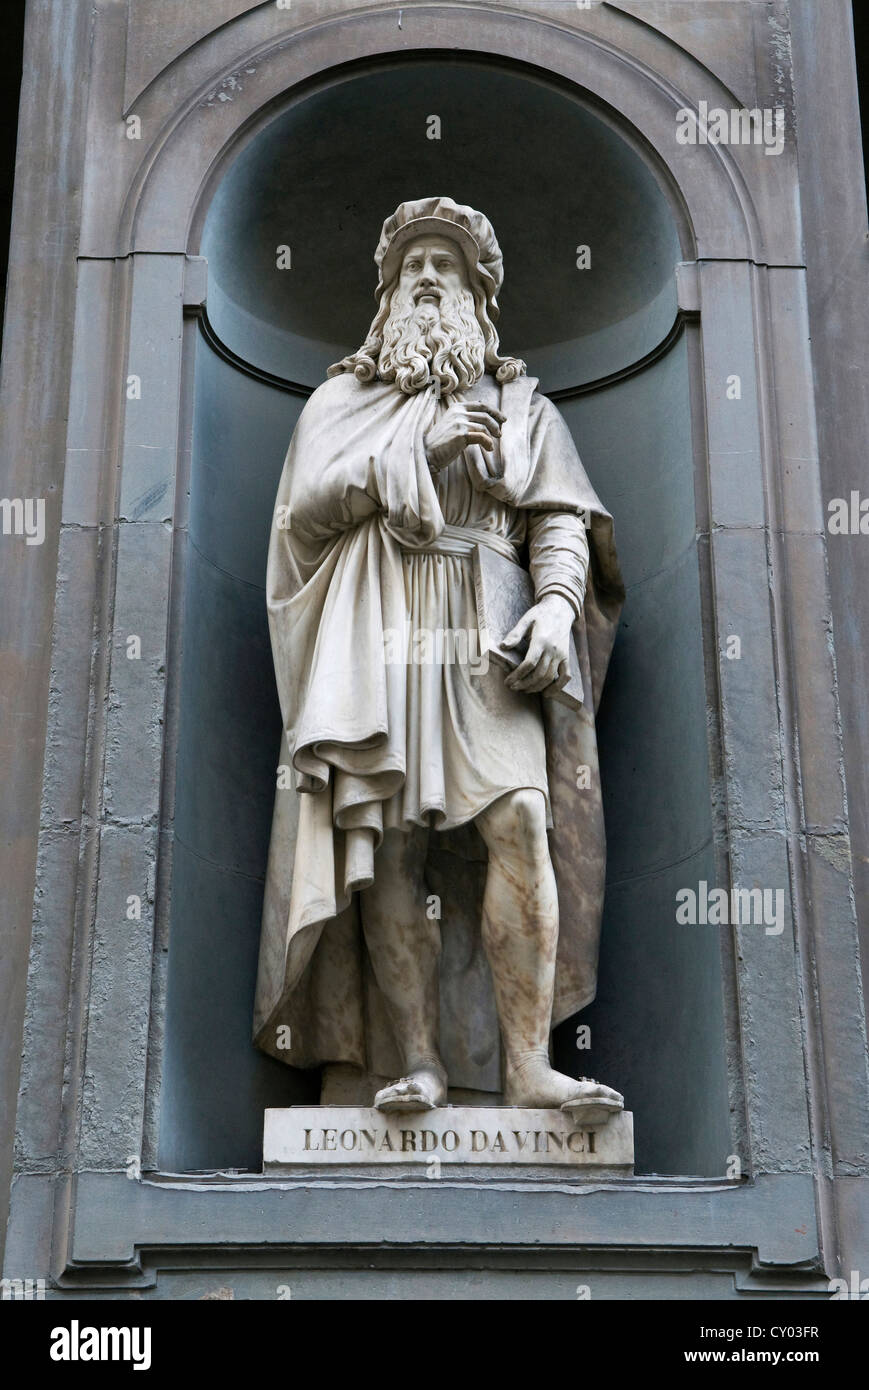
364	363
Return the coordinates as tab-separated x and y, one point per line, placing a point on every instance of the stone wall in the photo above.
133	118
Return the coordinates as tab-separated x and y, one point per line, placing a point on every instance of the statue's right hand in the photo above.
461	425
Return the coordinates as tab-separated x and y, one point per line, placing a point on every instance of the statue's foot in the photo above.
423	1089
534	1084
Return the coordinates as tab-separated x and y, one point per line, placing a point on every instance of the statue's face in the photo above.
431	328
433	269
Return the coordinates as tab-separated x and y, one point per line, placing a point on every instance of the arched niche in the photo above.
553	172
317	178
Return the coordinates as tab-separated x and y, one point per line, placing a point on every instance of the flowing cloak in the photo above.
356	492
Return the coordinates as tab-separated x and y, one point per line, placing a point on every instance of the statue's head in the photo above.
440	272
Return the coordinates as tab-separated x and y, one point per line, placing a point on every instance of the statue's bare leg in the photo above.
404	946
520	935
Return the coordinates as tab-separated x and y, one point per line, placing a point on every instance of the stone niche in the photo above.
609	343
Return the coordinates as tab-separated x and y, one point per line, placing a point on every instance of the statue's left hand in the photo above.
547	626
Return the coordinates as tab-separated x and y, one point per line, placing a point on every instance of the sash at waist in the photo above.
462	540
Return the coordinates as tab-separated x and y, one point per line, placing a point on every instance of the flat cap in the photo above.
471	230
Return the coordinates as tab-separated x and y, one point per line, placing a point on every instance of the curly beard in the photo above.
441	341
454	348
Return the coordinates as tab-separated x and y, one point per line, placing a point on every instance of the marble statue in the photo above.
436	868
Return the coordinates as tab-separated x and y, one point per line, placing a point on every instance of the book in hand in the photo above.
505	592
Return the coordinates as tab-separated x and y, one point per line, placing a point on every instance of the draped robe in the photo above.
355	501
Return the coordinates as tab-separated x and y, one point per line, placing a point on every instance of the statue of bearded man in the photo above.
423	447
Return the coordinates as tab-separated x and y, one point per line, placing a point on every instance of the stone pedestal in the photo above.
305	1137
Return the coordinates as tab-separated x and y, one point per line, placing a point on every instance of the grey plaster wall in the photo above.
215	1084
657	1026
837	260
37	361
